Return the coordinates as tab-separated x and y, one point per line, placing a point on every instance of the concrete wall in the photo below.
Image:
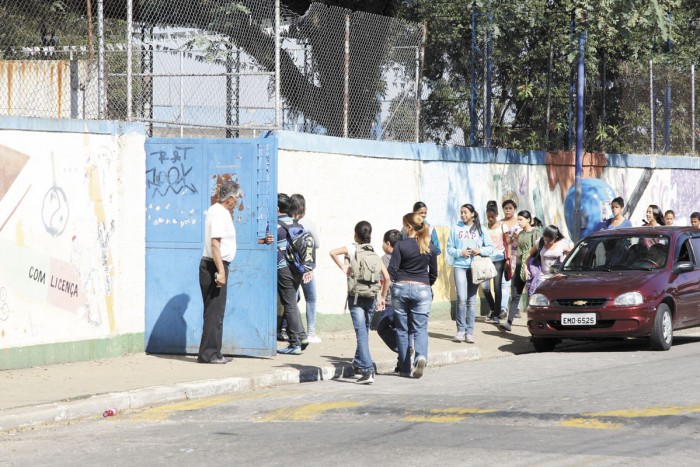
72	233
345	181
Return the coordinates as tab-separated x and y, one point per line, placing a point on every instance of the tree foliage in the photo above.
534	58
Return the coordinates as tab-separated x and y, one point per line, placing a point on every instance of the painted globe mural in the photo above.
596	196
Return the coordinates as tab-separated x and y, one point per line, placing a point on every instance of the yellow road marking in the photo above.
308	411
590	423
434	418
648	412
461	411
163	412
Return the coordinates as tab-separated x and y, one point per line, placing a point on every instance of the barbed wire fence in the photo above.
237	68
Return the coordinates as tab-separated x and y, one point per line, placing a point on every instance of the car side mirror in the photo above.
683	266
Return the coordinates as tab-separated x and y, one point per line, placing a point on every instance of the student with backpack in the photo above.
366	292
295	263
466	240
413	270
309	288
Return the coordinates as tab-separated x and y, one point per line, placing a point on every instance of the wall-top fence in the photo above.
235	68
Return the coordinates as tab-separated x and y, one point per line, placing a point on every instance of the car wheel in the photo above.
544	344
662	332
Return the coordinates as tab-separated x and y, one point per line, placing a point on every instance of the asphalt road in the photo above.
600	404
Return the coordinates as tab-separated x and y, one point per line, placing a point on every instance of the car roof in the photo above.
671	231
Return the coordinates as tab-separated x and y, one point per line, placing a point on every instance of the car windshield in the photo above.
616	253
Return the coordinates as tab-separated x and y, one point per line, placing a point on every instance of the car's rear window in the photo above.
614	253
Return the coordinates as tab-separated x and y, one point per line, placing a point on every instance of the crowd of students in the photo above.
523	253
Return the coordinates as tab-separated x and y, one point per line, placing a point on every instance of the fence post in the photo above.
346	84
182	93
129	58
419	77
278	45
100	60
692	108
579	133
487	86
651	106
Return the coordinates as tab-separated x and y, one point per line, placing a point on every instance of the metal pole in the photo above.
667	103
549	91
346	84
129	58
489	74
237	95
101	96
91	45
420	80
229	90
182	96
579	133
570	133
692	108
651	106
472	85
278	44
417	126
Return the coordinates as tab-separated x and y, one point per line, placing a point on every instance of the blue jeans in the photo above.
361	314
466	300
412	303
310	298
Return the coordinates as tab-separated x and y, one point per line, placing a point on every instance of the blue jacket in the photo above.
465	238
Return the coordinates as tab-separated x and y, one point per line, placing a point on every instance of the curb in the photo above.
93	406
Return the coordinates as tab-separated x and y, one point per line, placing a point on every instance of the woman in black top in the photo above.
413	270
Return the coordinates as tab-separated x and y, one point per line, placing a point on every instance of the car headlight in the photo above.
629	299
538	300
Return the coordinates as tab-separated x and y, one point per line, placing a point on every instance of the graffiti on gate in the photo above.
170	173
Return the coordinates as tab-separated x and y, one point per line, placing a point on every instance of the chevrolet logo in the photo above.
580	302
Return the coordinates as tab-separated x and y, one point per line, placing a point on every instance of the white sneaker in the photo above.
420	366
459	337
314	339
469	339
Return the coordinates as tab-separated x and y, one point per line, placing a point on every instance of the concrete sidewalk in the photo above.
41	395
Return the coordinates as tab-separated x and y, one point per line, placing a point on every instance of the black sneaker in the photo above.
304	344
366	378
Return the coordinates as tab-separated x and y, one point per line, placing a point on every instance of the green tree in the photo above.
534	60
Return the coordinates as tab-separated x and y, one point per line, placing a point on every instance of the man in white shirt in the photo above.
219	251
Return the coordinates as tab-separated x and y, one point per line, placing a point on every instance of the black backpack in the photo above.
301	248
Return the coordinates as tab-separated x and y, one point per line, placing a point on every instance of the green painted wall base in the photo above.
64	352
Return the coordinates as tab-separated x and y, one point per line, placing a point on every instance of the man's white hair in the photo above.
229	188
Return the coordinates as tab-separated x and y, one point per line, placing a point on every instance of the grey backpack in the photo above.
364	279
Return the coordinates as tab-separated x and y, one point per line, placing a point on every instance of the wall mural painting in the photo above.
56	227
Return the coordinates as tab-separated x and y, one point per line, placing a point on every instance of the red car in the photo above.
635	282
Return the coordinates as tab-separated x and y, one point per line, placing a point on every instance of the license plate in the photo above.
578	319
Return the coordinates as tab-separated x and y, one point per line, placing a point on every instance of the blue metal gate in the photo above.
181	179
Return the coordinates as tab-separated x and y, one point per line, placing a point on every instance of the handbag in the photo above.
508	265
482	269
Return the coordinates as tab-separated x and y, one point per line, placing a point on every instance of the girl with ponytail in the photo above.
413	270
466	241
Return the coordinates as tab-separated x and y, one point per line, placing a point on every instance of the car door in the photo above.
687	284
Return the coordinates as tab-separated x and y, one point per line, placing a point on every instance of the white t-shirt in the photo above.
219	224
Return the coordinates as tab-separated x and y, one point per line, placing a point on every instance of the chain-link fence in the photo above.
517	88
213	68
